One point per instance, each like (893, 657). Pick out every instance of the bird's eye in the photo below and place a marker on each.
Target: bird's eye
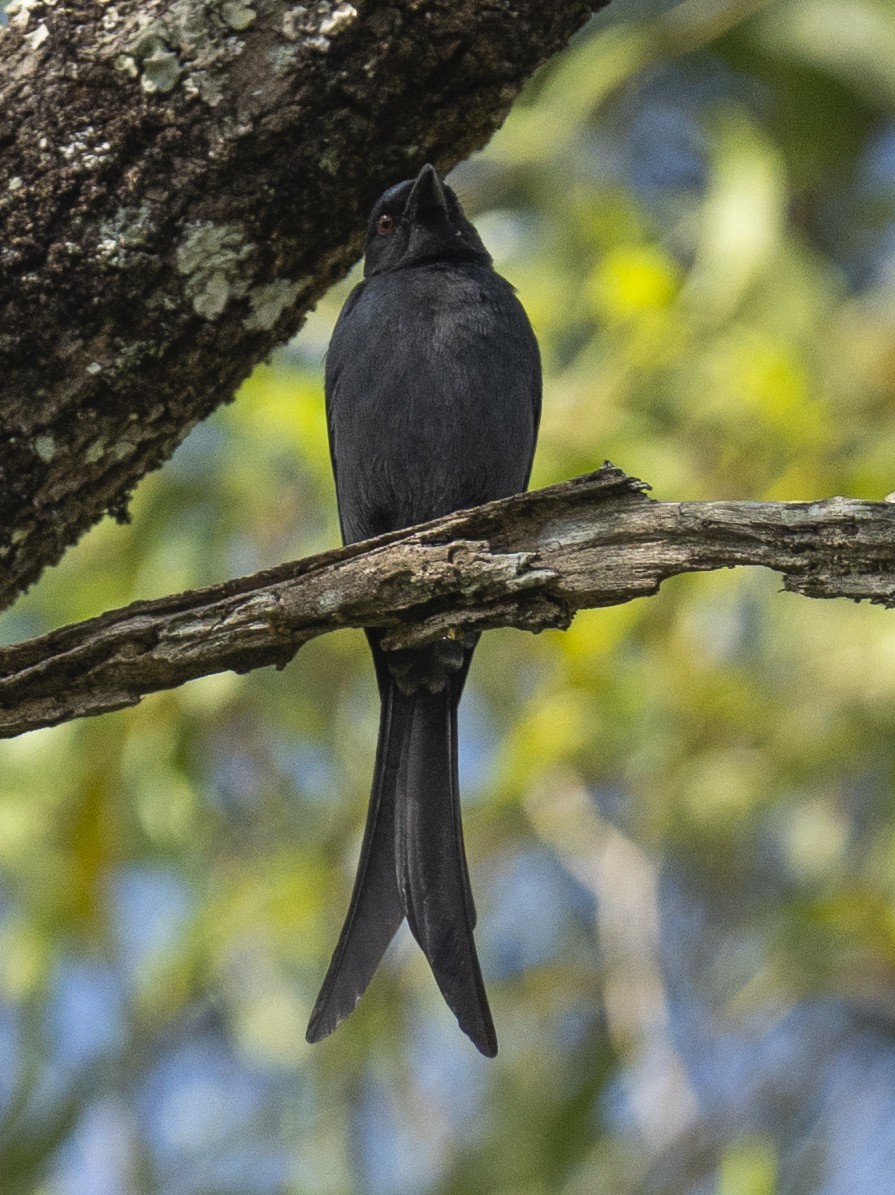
(384, 225)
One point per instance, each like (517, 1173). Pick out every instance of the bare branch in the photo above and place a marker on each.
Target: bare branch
(529, 562)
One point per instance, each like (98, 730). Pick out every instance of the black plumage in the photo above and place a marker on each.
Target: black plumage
(433, 391)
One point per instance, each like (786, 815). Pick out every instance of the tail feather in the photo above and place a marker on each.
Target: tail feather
(376, 910)
(412, 864)
(467, 883)
(432, 873)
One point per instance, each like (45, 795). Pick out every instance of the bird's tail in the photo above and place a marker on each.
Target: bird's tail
(375, 911)
(412, 864)
(431, 863)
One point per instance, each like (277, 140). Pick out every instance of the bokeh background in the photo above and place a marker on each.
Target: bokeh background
(679, 814)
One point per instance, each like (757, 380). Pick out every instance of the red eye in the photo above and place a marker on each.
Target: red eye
(384, 225)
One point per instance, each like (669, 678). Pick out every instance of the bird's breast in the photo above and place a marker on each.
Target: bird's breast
(431, 398)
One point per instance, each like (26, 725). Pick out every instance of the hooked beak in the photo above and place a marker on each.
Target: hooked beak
(427, 195)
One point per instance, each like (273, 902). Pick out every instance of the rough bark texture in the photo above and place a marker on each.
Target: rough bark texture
(528, 562)
(179, 182)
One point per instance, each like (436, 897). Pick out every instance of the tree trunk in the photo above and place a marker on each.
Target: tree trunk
(179, 183)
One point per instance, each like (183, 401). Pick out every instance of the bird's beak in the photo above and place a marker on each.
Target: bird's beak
(427, 195)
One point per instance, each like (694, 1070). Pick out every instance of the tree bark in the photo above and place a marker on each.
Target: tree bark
(529, 562)
(180, 181)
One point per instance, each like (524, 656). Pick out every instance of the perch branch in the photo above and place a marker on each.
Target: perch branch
(531, 562)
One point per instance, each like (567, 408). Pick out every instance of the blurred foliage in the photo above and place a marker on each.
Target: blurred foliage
(679, 813)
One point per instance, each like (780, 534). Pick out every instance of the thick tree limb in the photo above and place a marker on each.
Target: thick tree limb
(180, 181)
(528, 562)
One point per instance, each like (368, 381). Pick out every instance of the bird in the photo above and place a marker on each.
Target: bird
(433, 401)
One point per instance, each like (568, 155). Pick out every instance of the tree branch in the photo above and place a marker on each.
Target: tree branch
(529, 562)
(180, 181)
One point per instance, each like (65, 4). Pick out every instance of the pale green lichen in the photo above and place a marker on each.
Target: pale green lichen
(45, 447)
(210, 258)
(38, 36)
(270, 301)
(188, 46)
(283, 59)
(330, 160)
(103, 448)
(213, 297)
(295, 23)
(87, 148)
(18, 12)
(337, 20)
(128, 228)
(317, 24)
(238, 14)
(153, 59)
(150, 55)
(127, 64)
(206, 85)
(152, 39)
(160, 72)
(122, 450)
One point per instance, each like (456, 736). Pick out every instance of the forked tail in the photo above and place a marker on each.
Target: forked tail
(412, 864)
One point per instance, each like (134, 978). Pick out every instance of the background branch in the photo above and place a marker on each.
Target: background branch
(531, 562)
(179, 183)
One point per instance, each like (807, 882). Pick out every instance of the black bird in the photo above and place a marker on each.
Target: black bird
(433, 398)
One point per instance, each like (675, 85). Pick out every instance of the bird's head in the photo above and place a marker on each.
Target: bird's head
(417, 221)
